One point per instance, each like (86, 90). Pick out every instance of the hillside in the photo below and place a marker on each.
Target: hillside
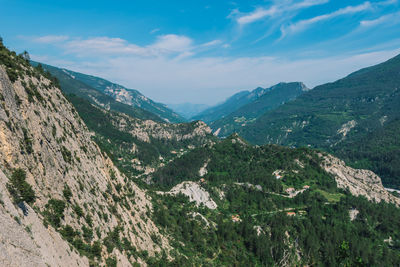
(69, 193)
(139, 146)
(69, 85)
(234, 204)
(272, 98)
(336, 115)
(244, 106)
(126, 96)
(62, 191)
(228, 106)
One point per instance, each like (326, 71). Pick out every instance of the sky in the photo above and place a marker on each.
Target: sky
(203, 51)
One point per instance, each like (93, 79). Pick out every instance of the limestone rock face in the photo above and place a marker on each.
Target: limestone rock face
(25, 241)
(359, 182)
(144, 130)
(41, 133)
(194, 192)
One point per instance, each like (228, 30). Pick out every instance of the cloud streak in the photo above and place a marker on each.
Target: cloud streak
(277, 8)
(304, 24)
(389, 18)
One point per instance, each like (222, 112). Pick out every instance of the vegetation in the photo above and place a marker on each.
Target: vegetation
(270, 98)
(320, 233)
(19, 189)
(117, 142)
(369, 98)
(54, 212)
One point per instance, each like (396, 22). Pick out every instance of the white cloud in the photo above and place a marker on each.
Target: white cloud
(303, 24)
(48, 39)
(212, 43)
(211, 79)
(170, 43)
(277, 8)
(164, 45)
(257, 15)
(386, 19)
(105, 46)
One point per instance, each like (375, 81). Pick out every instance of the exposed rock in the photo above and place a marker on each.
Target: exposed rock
(359, 182)
(353, 214)
(44, 135)
(24, 241)
(203, 169)
(195, 193)
(345, 129)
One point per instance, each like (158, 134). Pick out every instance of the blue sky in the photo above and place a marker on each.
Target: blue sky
(202, 51)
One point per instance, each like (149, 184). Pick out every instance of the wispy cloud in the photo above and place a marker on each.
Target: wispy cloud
(257, 14)
(277, 8)
(48, 39)
(385, 19)
(304, 24)
(212, 43)
(154, 30)
(178, 46)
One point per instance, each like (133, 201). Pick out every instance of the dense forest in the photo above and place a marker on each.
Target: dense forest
(312, 228)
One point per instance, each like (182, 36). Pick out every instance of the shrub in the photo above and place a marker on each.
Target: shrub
(67, 192)
(54, 212)
(19, 189)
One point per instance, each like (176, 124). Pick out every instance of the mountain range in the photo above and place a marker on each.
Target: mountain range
(113, 95)
(337, 115)
(87, 180)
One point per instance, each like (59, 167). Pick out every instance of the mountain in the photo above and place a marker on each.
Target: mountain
(336, 116)
(139, 146)
(266, 99)
(73, 193)
(63, 201)
(243, 98)
(70, 85)
(187, 110)
(127, 96)
(227, 107)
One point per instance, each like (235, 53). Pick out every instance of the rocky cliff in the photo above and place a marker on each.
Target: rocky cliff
(41, 133)
(357, 181)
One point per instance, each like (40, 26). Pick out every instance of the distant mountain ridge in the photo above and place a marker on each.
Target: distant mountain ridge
(263, 100)
(119, 93)
(188, 110)
(237, 101)
(70, 85)
(127, 96)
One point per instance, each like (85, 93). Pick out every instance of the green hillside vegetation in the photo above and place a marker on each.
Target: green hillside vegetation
(378, 151)
(366, 100)
(320, 233)
(272, 98)
(117, 143)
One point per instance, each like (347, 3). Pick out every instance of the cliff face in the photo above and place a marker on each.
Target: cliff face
(25, 241)
(41, 133)
(358, 182)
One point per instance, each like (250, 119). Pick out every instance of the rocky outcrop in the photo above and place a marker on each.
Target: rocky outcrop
(194, 192)
(41, 133)
(198, 131)
(358, 182)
